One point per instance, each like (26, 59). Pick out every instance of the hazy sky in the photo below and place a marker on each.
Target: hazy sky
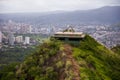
(13, 6)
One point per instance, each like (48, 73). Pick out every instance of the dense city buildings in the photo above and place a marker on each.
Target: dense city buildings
(14, 40)
(0, 37)
(104, 33)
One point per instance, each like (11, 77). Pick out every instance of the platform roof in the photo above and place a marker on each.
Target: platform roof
(69, 34)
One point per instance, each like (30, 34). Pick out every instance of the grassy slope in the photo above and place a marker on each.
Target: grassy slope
(96, 61)
(116, 49)
(55, 61)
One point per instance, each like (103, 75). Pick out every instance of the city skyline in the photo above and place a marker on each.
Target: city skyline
(16, 6)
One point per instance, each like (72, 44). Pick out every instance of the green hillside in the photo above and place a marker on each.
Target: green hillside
(13, 55)
(116, 49)
(55, 60)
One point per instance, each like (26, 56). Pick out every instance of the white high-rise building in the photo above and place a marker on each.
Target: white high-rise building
(0, 37)
(27, 40)
(11, 38)
(19, 39)
(29, 29)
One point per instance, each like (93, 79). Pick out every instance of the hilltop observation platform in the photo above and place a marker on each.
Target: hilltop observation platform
(69, 34)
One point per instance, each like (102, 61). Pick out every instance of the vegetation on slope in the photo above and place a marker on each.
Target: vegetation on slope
(55, 60)
(13, 55)
(96, 61)
(116, 49)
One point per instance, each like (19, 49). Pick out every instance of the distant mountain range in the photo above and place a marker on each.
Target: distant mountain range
(107, 14)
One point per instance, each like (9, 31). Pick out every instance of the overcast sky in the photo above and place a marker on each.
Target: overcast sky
(13, 6)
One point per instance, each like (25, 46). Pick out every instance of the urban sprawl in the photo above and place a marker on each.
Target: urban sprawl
(13, 33)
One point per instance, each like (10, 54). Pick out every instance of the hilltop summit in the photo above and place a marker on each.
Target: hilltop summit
(57, 60)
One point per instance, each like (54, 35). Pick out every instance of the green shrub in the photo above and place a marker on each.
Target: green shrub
(59, 64)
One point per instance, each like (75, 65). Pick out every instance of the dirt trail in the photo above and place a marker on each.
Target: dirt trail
(75, 66)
